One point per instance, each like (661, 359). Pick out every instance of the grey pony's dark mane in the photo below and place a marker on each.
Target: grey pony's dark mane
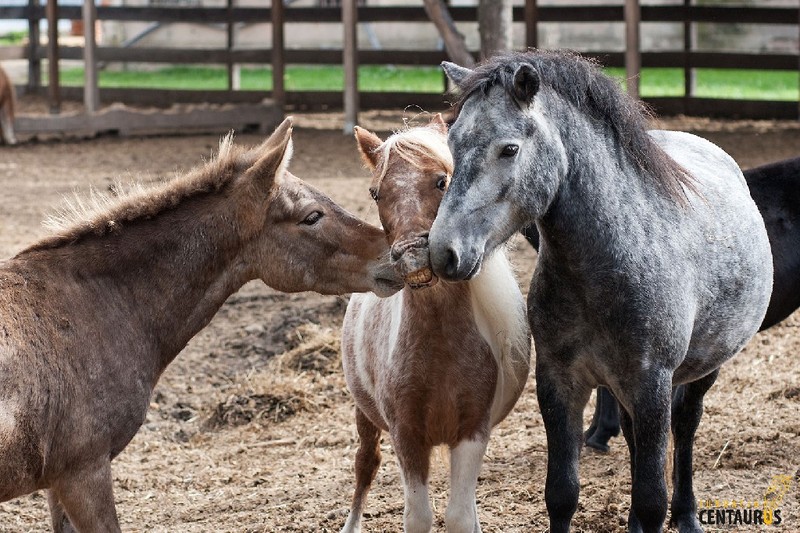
(581, 82)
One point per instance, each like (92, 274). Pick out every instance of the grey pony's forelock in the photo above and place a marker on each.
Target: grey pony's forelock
(582, 83)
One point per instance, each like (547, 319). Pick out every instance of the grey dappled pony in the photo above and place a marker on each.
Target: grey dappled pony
(654, 264)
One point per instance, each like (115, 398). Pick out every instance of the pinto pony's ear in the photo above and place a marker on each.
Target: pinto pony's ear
(526, 83)
(368, 144)
(273, 156)
(456, 73)
(438, 123)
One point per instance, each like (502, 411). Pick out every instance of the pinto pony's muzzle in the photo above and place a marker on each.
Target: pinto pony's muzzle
(411, 260)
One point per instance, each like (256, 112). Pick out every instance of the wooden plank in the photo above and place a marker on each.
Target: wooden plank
(129, 121)
(719, 108)
(34, 39)
(8, 53)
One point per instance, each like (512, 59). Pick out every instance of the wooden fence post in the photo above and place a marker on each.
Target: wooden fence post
(688, 72)
(91, 94)
(53, 84)
(531, 33)
(34, 63)
(633, 57)
(278, 65)
(350, 63)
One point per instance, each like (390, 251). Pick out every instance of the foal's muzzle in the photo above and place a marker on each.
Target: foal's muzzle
(411, 260)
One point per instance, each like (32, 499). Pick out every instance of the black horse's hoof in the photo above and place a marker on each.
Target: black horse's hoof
(597, 443)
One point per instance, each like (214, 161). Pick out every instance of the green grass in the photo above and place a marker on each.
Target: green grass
(710, 83)
(13, 38)
(297, 78)
(733, 84)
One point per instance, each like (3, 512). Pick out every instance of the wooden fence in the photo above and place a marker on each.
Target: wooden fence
(276, 55)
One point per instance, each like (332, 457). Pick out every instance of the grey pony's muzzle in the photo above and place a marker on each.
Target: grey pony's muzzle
(411, 260)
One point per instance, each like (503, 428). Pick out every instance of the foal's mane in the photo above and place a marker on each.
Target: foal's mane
(103, 213)
(423, 146)
(581, 83)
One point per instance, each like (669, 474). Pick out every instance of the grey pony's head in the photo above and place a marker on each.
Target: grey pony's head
(508, 160)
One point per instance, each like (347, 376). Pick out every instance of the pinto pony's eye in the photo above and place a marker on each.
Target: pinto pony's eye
(374, 193)
(312, 218)
(509, 150)
(441, 183)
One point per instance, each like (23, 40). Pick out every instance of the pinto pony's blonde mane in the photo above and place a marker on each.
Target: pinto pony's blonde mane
(422, 145)
(101, 213)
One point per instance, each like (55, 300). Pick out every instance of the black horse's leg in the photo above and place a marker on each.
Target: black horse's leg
(605, 421)
(627, 430)
(651, 424)
(687, 408)
(562, 415)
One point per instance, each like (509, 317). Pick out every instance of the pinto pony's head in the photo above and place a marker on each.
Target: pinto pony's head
(411, 170)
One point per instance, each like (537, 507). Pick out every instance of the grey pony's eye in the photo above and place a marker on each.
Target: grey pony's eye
(509, 150)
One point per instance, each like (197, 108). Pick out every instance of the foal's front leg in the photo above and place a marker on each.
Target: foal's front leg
(562, 408)
(368, 459)
(465, 466)
(414, 457)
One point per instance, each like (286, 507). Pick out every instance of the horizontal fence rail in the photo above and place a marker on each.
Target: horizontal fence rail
(531, 14)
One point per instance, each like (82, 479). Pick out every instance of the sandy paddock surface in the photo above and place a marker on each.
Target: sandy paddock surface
(251, 428)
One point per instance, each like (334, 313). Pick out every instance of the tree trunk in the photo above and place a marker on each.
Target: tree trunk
(495, 18)
(454, 42)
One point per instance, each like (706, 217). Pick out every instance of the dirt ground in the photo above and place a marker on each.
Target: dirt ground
(251, 428)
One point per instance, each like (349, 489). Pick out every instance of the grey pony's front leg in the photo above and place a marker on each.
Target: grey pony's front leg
(605, 421)
(646, 430)
(563, 425)
(687, 409)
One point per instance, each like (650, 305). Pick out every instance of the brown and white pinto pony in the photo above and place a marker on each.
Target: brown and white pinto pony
(6, 109)
(91, 316)
(437, 363)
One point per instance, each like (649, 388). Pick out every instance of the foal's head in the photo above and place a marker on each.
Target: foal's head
(299, 239)
(411, 171)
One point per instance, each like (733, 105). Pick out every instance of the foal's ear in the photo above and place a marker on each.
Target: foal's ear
(456, 73)
(526, 83)
(273, 155)
(368, 144)
(438, 123)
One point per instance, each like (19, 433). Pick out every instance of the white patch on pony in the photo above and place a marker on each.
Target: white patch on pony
(465, 466)
(417, 516)
(8, 420)
(499, 311)
(412, 143)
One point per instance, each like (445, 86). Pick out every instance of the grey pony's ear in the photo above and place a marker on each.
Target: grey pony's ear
(456, 73)
(526, 83)
(272, 156)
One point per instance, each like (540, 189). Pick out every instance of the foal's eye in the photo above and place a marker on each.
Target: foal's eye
(441, 183)
(374, 193)
(312, 218)
(509, 150)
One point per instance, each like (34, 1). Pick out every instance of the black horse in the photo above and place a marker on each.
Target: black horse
(775, 187)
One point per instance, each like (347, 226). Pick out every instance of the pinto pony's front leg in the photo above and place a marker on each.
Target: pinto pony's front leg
(368, 459)
(465, 466)
(414, 457)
